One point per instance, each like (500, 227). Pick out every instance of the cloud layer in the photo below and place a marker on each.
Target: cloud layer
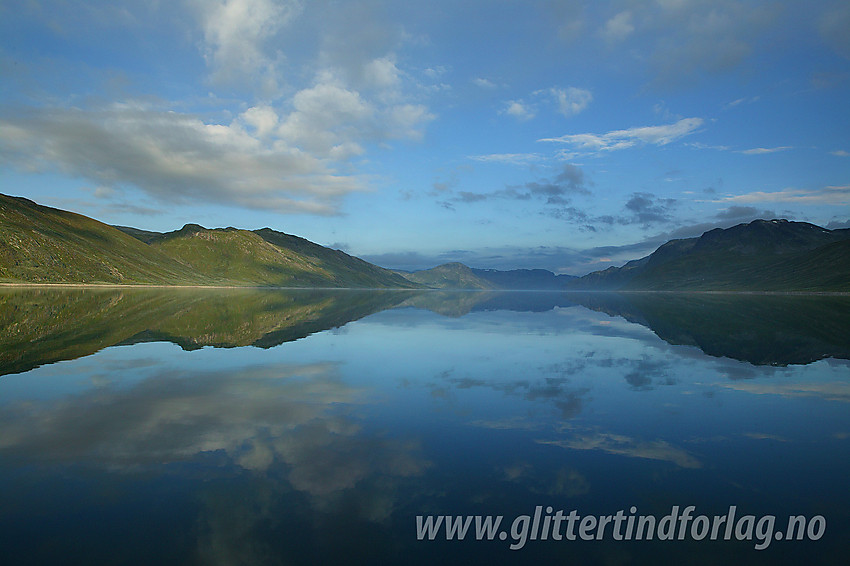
(287, 146)
(623, 139)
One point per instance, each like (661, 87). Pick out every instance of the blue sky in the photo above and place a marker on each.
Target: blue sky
(564, 135)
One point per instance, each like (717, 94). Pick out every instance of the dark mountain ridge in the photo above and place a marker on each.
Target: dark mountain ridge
(764, 255)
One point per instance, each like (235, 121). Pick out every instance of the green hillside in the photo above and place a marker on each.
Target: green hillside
(39, 244)
(267, 257)
(229, 255)
(345, 270)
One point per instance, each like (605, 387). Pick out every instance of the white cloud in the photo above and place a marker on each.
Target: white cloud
(622, 139)
(511, 158)
(840, 153)
(834, 195)
(519, 110)
(435, 72)
(406, 120)
(618, 28)
(235, 34)
(262, 118)
(174, 156)
(571, 100)
(740, 101)
(483, 83)
(325, 116)
(700, 145)
(291, 156)
(763, 150)
(382, 74)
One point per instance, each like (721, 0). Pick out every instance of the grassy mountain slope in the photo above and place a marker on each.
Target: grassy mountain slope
(775, 255)
(346, 270)
(266, 257)
(41, 244)
(230, 255)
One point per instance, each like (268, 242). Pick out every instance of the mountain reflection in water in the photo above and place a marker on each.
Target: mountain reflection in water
(303, 427)
(39, 326)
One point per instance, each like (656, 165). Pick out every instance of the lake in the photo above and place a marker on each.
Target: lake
(144, 426)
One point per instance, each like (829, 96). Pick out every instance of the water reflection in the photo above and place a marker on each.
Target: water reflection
(284, 443)
(39, 326)
(760, 329)
(253, 417)
(253, 440)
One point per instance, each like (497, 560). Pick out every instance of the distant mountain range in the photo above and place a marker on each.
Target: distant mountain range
(764, 255)
(459, 276)
(39, 244)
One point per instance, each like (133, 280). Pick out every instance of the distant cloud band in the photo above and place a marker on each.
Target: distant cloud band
(622, 139)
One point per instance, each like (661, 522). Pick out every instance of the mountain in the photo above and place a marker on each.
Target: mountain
(39, 244)
(448, 276)
(459, 276)
(266, 257)
(347, 270)
(764, 255)
(524, 279)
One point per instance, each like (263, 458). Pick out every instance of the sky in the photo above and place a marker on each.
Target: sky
(569, 136)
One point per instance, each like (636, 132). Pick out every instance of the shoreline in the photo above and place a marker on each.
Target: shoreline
(10, 285)
(164, 286)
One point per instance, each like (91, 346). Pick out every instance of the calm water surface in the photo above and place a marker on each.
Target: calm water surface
(271, 427)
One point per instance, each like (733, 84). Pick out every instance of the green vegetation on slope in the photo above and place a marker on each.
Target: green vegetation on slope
(230, 255)
(39, 244)
(268, 257)
(346, 270)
